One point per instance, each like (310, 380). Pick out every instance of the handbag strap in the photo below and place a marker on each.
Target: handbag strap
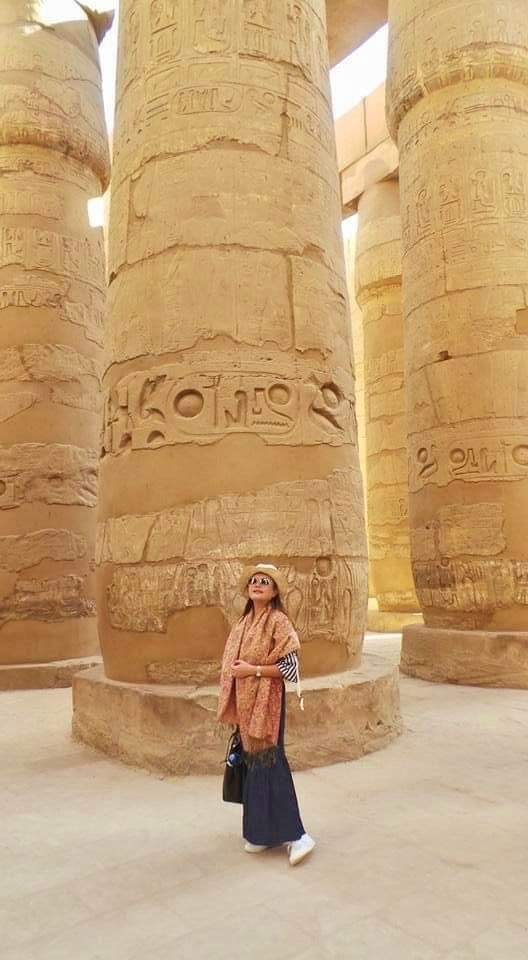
(233, 742)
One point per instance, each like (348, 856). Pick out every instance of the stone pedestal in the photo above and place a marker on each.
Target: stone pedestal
(388, 621)
(473, 657)
(378, 289)
(43, 676)
(171, 729)
(53, 160)
(457, 94)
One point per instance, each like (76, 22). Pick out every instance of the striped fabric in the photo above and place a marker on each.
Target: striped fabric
(289, 667)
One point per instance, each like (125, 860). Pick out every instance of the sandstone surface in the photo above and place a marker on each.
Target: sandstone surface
(53, 160)
(457, 103)
(229, 425)
(378, 286)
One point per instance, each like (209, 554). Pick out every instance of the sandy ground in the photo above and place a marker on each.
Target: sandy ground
(421, 849)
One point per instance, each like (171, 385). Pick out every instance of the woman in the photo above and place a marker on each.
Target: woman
(260, 653)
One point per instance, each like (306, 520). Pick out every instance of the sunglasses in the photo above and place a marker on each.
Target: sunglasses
(260, 581)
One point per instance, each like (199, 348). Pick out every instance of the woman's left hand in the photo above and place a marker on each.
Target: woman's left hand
(242, 669)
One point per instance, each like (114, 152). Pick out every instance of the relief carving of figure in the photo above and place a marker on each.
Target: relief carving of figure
(322, 596)
(299, 31)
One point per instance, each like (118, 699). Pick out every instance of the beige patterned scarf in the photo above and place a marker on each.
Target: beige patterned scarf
(251, 703)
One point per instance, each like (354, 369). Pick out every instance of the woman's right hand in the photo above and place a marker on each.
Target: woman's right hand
(241, 669)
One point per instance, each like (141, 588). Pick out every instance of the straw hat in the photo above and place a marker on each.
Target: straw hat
(267, 570)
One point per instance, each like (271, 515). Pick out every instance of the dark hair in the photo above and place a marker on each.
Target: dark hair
(275, 602)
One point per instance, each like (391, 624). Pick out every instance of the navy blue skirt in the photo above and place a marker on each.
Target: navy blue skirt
(270, 809)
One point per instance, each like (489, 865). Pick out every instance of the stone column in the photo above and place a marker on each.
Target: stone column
(356, 327)
(229, 425)
(53, 160)
(458, 104)
(378, 290)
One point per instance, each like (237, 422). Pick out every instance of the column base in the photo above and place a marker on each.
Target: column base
(42, 676)
(173, 730)
(474, 657)
(385, 621)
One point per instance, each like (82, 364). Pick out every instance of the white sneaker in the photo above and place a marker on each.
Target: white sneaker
(300, 849)
(253, 847)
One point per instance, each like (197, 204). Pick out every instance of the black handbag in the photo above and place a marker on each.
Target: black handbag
(234, 771)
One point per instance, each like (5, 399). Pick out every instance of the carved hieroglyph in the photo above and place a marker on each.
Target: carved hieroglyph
(378, 286)
(229, 426)
(53, 160)
(458, 103)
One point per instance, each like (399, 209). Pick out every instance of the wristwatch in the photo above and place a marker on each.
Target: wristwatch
(258, 672)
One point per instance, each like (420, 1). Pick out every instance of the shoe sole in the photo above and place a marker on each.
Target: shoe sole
(260, 850)
(301, 856)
